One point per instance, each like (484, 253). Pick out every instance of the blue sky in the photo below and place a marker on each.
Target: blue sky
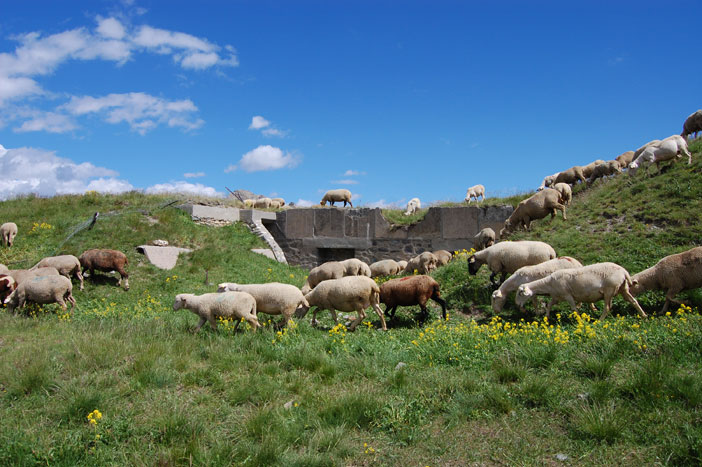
(389, 99)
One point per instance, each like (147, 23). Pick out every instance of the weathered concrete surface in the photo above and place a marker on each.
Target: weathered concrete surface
(200, 212)
(163, 257)
(265, 252)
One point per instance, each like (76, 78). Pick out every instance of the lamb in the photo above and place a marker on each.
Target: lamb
(423, 263)
(8, 231)
(386, 267)
(277, 203)
(208, 306)
(43, 290)
(474, 192)
(506, 257)
(588, 284)
(548, 181)
(21, 275)
(603, 170)
(692, 125)
(566, 192)
(106, 261)
(571, 176)
(443, 257)
(537, 206)
(272, 298)
(670, 148)
(323, 272)
(262, 203)
(355, 267)
(527, 274)
(413, 206)
(352, 293)
(7, 286)
(403, 264)
(587, 169)
(674, 273)
(484, 239)
(625, 158)
(332, 196)
(66, 265)
(410, 291)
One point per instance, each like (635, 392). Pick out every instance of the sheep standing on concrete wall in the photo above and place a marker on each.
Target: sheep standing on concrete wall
(262, 203)
(272, 298)
(588, 284)
(410, 291)
(209, 306)
(506, 257)
(474, 192)
(8, 231)
(413, 206)
(673, 274)
(42, 290)
(333, 196)
(66, 265)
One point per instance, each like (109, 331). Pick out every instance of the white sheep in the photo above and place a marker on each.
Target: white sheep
(506, 257)
(249, 203)
(226, 304)
(262, 203)
(603, 170)
(588, 284)
(323, 272)
(355, 267)
(413, 206)
(386, 267)
(571, 176)
(352, 293)
(21, 275)
(333, 196)
(587, 169)
(43, 290)
(277, 203)
(443, 257)
(272, 298)
(423, 263)
(548, 181)
(403, 265)
(484, 239)
(674, 273)
(66, 265)
(8, 231)
(537, 206)
(474, 192)
(670, 148)
(566, 192)
(527, 274)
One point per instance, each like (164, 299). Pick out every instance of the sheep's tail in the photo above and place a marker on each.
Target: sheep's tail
(629, 280)
(375, 294)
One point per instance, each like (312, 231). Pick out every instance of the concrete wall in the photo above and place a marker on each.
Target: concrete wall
(310, 237)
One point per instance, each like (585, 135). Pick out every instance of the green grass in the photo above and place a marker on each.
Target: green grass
(509, 389)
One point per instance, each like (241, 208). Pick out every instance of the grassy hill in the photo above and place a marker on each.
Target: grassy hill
(509, 390)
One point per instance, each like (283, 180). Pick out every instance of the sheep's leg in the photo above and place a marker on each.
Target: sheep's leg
(80, 278)
(563, 209)
(314, 317)
(630, 298)
(379, 311)
(199, 325)
(333, 313)
(72, 301)
(61, 303)
(361, 316)
(390, 311)
(213, 322)
(424, 313)
(607, 305)
(535, 304)
(492, 278)
(441, 302)
(550, 304)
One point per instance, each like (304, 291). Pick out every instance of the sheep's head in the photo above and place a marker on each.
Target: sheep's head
(473, 265)
(181, 301)
(497, 300)
(227, 287)
(524, 293)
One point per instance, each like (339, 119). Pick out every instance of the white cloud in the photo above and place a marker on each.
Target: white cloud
(184, 187)
(345, 182)
(273, 132)
(353, 173)
(141, 111)
(30, 170)
(110, 28)
(194, 174)
(51, 122)
(381, 203)
(265, 158)
(258, 122)
(303, 203)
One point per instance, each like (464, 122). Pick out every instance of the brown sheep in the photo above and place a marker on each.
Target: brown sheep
(106, 261)
(692, 125)
(625, 158)
(571, 176)
(443, 256)
(409, 291)
(587, 169)
(537, 206)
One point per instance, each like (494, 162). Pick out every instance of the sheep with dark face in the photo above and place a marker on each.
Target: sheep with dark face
(410, 291)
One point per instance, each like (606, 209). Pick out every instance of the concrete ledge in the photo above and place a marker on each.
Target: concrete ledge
(250, 215)
(332, 242)
(198, 211)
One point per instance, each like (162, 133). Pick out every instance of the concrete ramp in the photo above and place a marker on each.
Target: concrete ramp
(163, 257)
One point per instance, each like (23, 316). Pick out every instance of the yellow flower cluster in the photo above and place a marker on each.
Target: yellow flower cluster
(463, 254)
(37, 227)
(285, 333)
(147, 306)
(94, 416)
(172, 278)
(338, 335)
(368, 449)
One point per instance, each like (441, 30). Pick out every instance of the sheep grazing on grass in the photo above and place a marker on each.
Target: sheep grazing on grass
(474, 192)
(272, 298)
(323, 272)
(528, 274)
(413, 206)
(209, 306)
(410, 291)
(333, 196)
(7, 286)
(587, 169)
(262, 203)
(106, 261)
(277, 203)
(484, 239)
(66, 265)
(443, 257)
(674, 273)
(386, 267)
(588, 284)
(692, 125)
(625, 159)
(355, 267)
(353, 293)
(42, 290)
(669, 149)
(403, 265)
(249, 203)
(548, 181)
(506, 257)
(21, 275)
(571, 176)
(8, 231)
(566, 193)
(423, 263)
(603, 170)
(537, 206)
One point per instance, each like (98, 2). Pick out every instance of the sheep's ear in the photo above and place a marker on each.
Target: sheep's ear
(497, 294)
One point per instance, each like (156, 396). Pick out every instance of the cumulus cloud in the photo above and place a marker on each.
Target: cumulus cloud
(381, 203)
(345, 182)
(265, 158)
(194, 174)
(51, 122)
(142, 112)
(258, 122)
(184, 187)
(29, 170)
(303, 203)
